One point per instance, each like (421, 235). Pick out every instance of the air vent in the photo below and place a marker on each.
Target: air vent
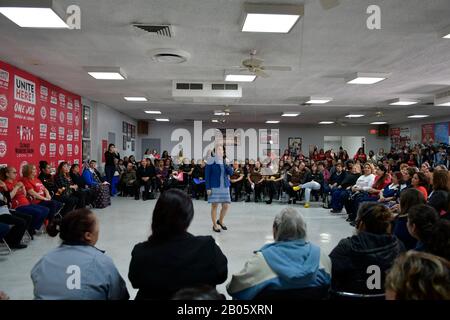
(206, 91)
(164, 30)
(172, 56)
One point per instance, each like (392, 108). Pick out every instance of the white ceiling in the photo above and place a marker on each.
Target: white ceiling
(323, 48)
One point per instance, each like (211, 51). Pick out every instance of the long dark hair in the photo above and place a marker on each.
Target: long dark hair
(172, 215)
(382, 179)
(59, 171)
(424, 217)
(409, 198)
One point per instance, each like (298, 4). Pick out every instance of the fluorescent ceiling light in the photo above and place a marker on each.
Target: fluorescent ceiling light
(162, 120)
(354, 116)
(326, 122)
(240, 77)
(442, 99)
(272, 121)
(271, 18)
(367, 78)
(403, 102)
(379, 122)
(34, 14)
(446, 36)
(215, 120)
(152, 112)
(418, 116)
(446, 104)
(135, 99)
(221, 113)
(106, 73)
(290, 114)
(317, 100)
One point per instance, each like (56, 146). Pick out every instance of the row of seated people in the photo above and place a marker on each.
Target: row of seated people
(285, 268)
(28, 202)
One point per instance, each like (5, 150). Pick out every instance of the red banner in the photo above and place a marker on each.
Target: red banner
(428, 133)
(38, 121)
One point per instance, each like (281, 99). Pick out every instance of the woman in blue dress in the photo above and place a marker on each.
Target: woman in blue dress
(217, 182)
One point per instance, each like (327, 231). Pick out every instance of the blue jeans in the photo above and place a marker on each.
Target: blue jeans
(53, 207)
(338, 196)
(37, 212)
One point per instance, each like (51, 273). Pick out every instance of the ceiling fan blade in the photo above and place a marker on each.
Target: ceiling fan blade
(277, 68)
(329, 4)
(260, 73)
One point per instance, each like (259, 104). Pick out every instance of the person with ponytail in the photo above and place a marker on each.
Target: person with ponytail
(54, 275)
(172, 258)
(421, 219)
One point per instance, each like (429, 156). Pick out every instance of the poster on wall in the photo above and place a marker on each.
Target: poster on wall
(294, 146)
(400, 137)
(38, 121)
(86, 122)
(441, 133)
(428, 133)
(104, 149)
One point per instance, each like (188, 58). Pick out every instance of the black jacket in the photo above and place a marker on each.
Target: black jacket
(352, 256)
(148, 171)
(109, 158)
(349, 180)
(337, 178)
(48, 182)
(78, 180)
(160, 270)
(438, 200)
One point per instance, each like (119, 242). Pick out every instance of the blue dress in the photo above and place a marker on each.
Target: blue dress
(222, 193)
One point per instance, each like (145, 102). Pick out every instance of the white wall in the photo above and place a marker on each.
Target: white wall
(311, 135)
(103, 120)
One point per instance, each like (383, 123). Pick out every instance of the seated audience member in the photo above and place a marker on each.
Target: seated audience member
(408, 199)
(312, 180)
(236, 181)
(94, 181)
(99, 278)
(418, 276)
(420, 182)
(407, 174)
(15, 224)
(274, 182)
(198, 180)
(438, 243)
(372, 245)
(162, 175)
(364, 194)
(127, 180)
(145, 176)
(291, 262)
(341, 193)
(421, 220)
(389, 195)
(46, 177)
(67, 190)
(17, 193)
(438, 198)
(255, 183)
(132, 160)
(79, 180)
(335, 179)
(38, 192)
(199, 261)
(199, 293)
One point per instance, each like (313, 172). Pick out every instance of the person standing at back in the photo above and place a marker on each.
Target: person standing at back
(110, 165)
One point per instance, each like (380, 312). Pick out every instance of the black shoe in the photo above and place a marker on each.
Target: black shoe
(248, 199)
(136, 198)
(348, 219)
(335, 211)
(221, 225)
(294, 201)
(353, 223)
(256, 200)
(216, 230)
(269, 201)
(18, 246)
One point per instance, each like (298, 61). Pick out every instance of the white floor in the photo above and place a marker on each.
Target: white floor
(127, 222)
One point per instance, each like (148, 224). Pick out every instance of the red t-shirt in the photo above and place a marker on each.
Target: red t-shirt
(36, 185)
(424, 191)
(20, 199)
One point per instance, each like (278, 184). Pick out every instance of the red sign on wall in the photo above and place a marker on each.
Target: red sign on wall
(428, 133)
(37, 120)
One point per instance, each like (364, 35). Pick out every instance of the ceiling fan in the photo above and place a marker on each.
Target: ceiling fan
(329, 4)
(255, 66)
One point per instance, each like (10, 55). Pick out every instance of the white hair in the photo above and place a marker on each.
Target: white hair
(289, 224)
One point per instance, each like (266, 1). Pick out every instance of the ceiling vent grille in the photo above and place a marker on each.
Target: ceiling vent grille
(206, 91)
(164, 30)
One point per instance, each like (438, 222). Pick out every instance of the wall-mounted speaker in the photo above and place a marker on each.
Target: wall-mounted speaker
(142, 127)
(383, 130)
